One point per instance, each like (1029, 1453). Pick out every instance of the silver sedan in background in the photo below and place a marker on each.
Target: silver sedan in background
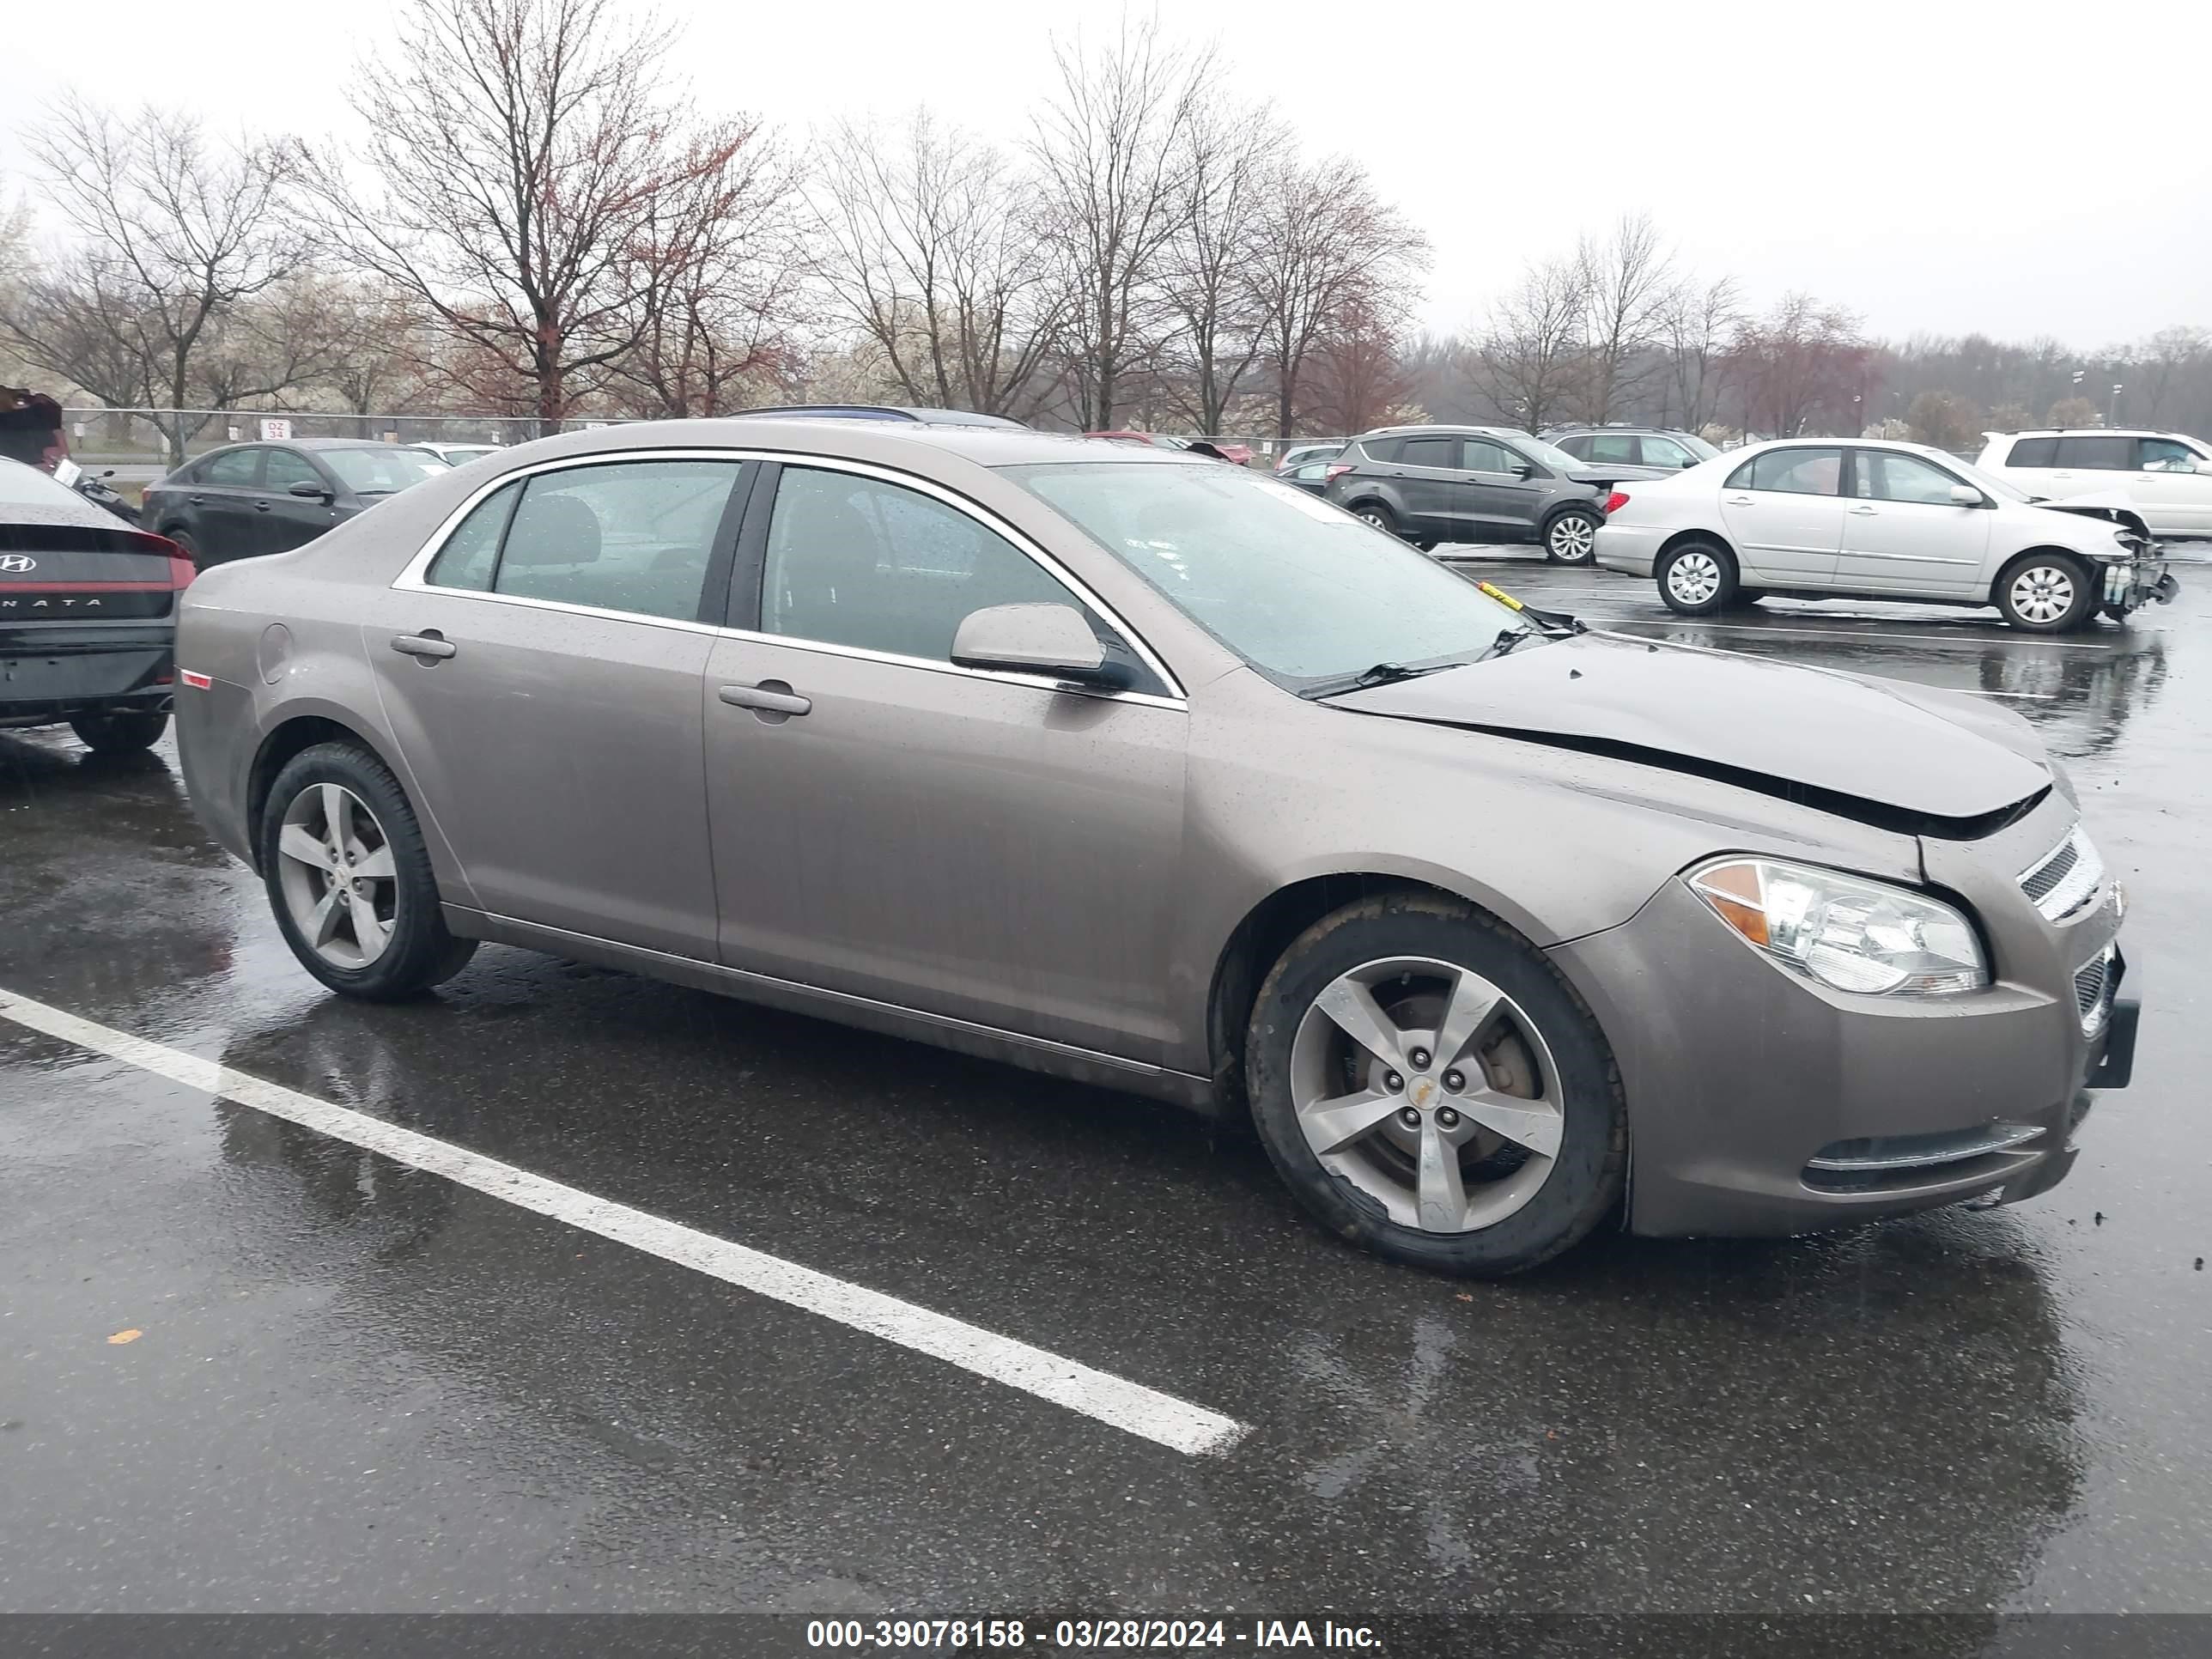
(1163, 775)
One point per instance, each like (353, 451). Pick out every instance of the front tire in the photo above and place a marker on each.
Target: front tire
(1697, 579)
(1572, 537)
(1429, 1087)
(2046, 593)
(349, 880)
(124, 732)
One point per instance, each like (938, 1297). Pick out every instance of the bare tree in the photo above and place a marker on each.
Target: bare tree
(1329, 247)
(929, 245)
(1529, 359)
(712, 276)
(1113, 151)
(1696, 325)
(1212, 258)
(519, 149)
(2162, 364)
(1802, 359)
(176, 231)
(1359, 378)
(1625, 281)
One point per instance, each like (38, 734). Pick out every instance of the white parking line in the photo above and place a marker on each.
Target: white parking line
(1115, 1400)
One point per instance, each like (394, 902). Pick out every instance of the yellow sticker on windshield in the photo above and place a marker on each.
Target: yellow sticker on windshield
(1500, 595)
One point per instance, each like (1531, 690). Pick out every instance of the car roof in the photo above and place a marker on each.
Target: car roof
(2088, 432)
(878, 412)
(890, 442)
(1443, 429)
(1630, 427)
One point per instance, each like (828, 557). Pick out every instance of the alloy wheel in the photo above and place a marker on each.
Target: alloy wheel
(1430, 1091)
(2042, 594)
(1572, 538)
(335, 870)
(1694, 578)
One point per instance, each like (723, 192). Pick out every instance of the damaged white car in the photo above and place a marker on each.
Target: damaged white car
(1841, 519)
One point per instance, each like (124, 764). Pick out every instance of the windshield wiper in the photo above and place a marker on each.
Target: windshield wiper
(1383, 673)
(1505, 641)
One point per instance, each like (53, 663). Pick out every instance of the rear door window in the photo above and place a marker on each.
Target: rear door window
(1611, 447)
(630, 536)
(2096, 454)
(2034, 452)
(235, 469)
(1429, 452)
(1796, 471)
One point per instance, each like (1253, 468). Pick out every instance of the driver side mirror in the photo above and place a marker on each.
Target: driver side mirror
(1967, 495)
(308, 488)
(1524, 470)
(1034, 639)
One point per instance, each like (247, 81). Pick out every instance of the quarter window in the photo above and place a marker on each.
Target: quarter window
(471, 554)
(853, 561)
(238, 468)
(2096, 454)
(635, 535)
(1795, 471)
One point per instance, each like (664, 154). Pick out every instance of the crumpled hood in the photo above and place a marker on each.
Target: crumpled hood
(1877, 749)
(2114, 505)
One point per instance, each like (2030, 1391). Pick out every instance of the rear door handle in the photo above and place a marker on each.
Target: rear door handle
(1863, 511)
(422, 645)
(1740, 500)
(769, 697)
(261, 507)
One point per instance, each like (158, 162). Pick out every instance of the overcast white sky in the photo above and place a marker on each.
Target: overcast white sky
(1938, 167)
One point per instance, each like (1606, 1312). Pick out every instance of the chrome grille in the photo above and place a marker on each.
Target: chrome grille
(2061, 883)
(2093, 990)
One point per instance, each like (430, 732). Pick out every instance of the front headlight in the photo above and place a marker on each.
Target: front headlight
(1845, 930)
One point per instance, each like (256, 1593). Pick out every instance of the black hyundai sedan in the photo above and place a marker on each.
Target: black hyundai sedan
(251, 499)
(87, 616)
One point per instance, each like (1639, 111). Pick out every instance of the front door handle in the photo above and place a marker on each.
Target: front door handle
(768, 697)
(428, 644)
(261, 507)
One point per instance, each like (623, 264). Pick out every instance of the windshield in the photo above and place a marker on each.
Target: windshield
(380, 471)
(1697, 446)
(1301, 590)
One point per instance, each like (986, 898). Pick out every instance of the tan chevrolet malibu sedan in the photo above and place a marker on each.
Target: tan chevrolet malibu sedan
(1134, 768)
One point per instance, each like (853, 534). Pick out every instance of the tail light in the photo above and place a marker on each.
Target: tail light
(1336, 470)
(1615, 502)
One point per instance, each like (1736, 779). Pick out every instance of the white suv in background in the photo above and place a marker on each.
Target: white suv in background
(2167, 475)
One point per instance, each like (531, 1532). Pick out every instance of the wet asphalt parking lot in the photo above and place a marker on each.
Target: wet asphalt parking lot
(360, 1384)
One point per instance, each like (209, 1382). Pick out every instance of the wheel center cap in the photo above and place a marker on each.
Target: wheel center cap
(1422, 1091)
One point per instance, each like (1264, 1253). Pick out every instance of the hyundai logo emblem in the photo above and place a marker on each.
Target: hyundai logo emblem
(15, 564)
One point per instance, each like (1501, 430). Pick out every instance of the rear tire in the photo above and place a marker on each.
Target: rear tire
(185, 544)
(125, 733)
(2046, 593)
(1697, 579)
(1380, 516)
(383, 938)
(1571, 537)
(1452, 1190)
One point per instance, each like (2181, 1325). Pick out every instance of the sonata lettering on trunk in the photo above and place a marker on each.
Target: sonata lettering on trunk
(48, 601)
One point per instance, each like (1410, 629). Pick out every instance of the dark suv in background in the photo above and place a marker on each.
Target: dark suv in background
(1432, 484)
(251, 499)
(1661, 447)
